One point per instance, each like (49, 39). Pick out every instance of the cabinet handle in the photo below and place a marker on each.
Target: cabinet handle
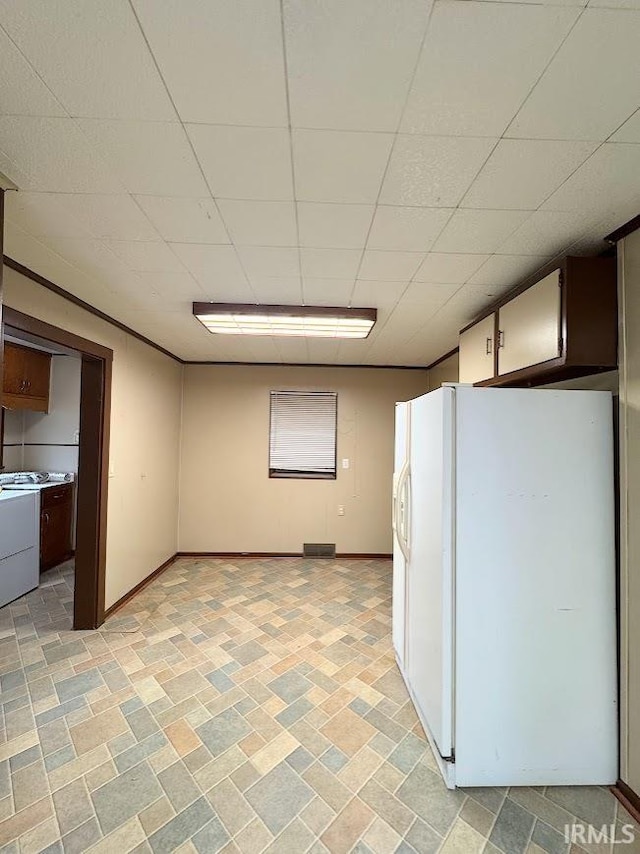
(500, 339)
(45, 516)
(489, 346)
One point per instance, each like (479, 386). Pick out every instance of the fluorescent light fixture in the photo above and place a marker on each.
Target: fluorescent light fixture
(306, 321)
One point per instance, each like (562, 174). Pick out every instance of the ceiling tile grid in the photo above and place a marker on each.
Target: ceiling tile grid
(259, 223)
(591, 86)
(478, 64)
(149, 158)
(183, 220)
(244, 162)
(91, 75)
(334, 226)
(221, 60)
(433, 171)
(339, 166)
(350, 64)
(420, 157)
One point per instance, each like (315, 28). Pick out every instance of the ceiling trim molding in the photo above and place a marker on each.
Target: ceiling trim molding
(56, 289)
(311, 365)
(61, 292)
(443, 358)
(624, 230)
(20, 322)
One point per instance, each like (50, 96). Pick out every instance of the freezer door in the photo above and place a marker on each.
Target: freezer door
(398, 615)
(430, 576)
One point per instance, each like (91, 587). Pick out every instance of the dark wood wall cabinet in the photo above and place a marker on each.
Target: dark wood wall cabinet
(56, 525)
(26, 379)
(564, 324)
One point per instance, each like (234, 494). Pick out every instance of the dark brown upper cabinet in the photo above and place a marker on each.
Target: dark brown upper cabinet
(26, 378)
(564, 324)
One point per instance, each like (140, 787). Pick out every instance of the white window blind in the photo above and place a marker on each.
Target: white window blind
(302, 440)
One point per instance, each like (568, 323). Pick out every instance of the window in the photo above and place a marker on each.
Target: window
(302, 437)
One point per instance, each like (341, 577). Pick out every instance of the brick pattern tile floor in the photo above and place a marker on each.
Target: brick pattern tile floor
(240, 707)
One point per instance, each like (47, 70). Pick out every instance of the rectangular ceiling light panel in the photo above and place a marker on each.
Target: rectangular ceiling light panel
(291, 320)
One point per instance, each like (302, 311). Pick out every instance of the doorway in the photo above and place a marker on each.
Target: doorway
(93, 456)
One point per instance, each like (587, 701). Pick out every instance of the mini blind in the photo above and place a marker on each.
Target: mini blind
(302, 438)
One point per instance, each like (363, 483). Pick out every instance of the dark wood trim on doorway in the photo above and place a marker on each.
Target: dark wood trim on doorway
(93, 469)
(628, 798)
(1, 328)
(39, 329)
(93, 461)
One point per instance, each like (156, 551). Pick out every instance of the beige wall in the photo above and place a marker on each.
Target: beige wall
(145, 437)
(629, 300)
(445, 372)
(227, 500)
(13, 450)
(606, 381)
(51, 438)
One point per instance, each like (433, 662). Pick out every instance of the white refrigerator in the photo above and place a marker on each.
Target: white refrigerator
(504, 582)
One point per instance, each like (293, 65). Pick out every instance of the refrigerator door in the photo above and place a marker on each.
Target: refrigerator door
(536, 693)
(430, 580)
(400, 472)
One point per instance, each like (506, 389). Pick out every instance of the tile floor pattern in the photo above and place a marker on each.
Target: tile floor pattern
(240, 707)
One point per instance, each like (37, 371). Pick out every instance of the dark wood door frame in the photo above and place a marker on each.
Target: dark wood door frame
(93, 460)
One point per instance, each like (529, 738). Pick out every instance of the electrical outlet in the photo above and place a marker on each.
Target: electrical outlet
(340, 510)
(345, 463)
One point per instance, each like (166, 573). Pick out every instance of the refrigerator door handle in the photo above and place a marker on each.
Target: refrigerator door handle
(394, 512)
(407, 513)
(402, 512)
(396, 506)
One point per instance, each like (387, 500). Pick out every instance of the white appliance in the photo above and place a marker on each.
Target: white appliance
(19, 544)
(504, 603)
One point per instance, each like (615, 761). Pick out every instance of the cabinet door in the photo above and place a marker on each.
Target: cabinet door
(37, 371)
(13, 382)
(477, 351)
(55, 534)
(530, 330)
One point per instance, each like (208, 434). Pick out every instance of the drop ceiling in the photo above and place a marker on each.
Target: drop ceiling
(420, 158)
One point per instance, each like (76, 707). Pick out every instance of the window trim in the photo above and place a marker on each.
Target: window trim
(281, 474)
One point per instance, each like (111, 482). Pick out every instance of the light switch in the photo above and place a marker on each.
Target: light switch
(345, 463)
